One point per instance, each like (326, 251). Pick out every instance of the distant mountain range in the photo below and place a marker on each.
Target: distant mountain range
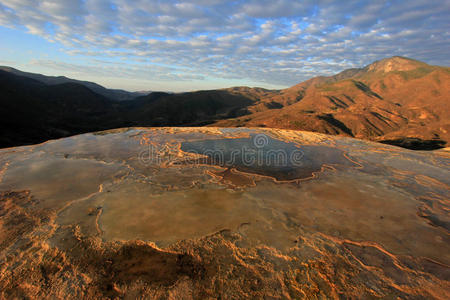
(395, 100)
(32, 111)
(114, 94)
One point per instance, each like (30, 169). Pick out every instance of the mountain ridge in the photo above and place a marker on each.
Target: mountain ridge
(114, 94)
(392, 100)
(389, 99)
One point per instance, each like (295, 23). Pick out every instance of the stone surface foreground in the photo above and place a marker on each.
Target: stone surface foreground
(197, 213)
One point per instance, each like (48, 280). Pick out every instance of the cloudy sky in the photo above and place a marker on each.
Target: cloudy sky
(202, 44)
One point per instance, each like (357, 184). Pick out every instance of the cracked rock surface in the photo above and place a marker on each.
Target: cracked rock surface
(195, 213)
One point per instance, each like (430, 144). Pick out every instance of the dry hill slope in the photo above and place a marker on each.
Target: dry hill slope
(394, 98)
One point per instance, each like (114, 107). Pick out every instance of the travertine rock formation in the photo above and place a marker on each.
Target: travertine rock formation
(179, 213)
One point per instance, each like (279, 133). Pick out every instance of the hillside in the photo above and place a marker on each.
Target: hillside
(114, 94)
(190, 109)
(390, 99)
(33, 112)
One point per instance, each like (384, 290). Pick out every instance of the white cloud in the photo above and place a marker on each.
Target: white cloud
(273, 41)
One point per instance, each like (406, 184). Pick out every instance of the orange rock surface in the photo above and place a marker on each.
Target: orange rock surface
(182, 213)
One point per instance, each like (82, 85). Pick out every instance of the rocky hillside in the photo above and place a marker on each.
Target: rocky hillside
(394, 98)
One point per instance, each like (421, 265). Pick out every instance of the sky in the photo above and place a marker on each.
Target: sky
(205, 44)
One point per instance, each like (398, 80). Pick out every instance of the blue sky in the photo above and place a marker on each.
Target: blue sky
(203, 44)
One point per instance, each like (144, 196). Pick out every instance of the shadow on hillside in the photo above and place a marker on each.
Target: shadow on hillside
(32, 113)
(416, 143)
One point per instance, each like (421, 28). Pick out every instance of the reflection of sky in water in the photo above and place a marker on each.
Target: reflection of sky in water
(264, 155)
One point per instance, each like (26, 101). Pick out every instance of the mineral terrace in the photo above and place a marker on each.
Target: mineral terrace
(180, 213)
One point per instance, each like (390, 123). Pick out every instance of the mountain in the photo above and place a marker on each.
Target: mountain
(189, 109)
(33, 112)
(396, 100)
(114, 94)
(388, 100)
